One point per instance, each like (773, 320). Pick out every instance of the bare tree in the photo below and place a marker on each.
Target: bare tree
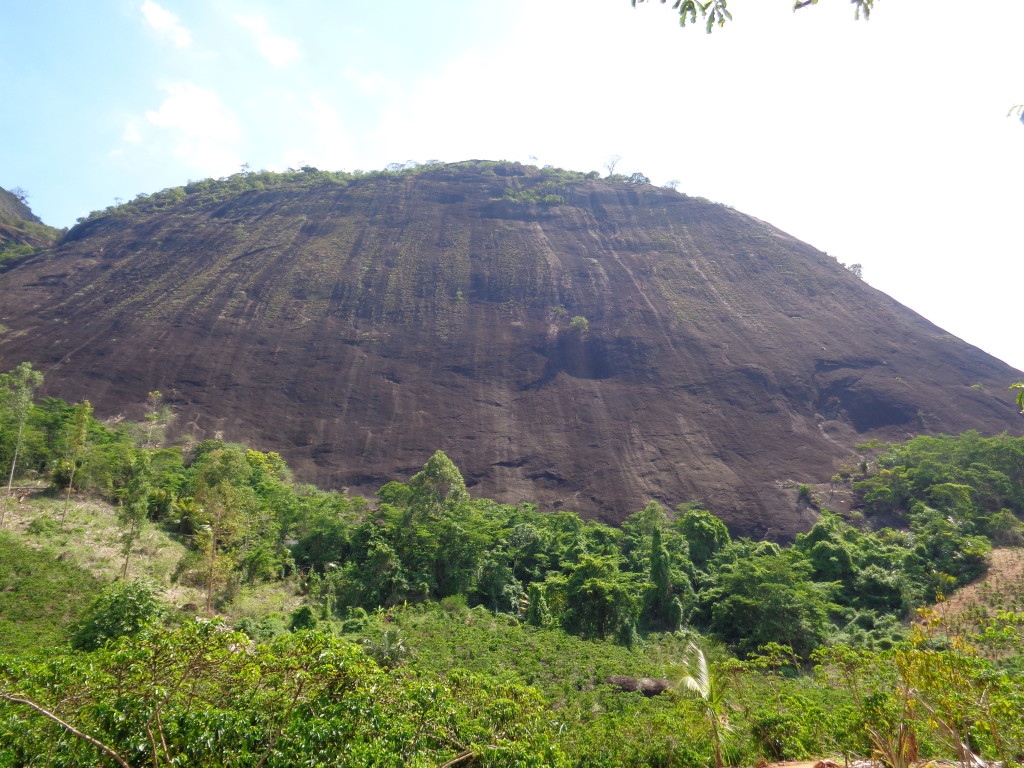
(611, 162)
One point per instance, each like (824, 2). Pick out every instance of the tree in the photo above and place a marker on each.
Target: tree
(122, 609)
(716, 12)
(768, 596)
(16, 389)
(77, 434)
(663, 603)
(1020, 385)
(579, 324)
(538, 614)
(158, 417)
(601, 600)
(438, 485)
(709, 686)
(135, 505)
(222, 500)
(705, 533)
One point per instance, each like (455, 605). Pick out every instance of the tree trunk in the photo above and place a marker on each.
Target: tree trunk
(10, 477)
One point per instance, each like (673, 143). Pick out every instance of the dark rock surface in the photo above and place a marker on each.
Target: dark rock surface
(648, 686)
(359, 328)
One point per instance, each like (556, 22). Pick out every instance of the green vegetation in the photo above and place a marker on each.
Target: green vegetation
(122, 609)
(32, 231)
(40, 596)
(551, 190)
(579, 324)
(429, 627)
(543, 186)
(20, 237)
(10, 251)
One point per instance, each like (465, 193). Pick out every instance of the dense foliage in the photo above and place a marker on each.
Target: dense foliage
(201, 694)
(246, 522)
(537, 609)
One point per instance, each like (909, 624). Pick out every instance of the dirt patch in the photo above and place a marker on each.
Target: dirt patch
(1002, 588)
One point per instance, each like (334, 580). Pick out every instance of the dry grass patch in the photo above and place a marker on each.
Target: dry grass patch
(1000, 589)
(90, 537)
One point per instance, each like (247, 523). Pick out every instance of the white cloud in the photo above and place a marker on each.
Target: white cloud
(321, 137)
(366, 82)
(204, 130)
(132, 134)
(167, 23)
(276, 49)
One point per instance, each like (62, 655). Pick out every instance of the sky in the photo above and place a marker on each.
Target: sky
(884, 142)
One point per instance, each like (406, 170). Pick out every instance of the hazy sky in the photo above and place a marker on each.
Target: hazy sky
(884, 142)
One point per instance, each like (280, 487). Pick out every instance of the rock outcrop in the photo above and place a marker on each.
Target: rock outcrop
(570, 341)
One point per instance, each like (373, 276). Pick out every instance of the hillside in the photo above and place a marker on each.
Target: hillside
(582, 343)
(437, 628)
(20, 227)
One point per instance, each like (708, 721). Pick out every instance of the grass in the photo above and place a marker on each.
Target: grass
(1000, 589)
(41, 595)
(84, 554)
(255, 601)
(562, 666)
(91, 538)
(602, 726)
(90, 542)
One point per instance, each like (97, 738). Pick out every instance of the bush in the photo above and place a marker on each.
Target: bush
(579, 324)
(778, 735)
(264, 629)
(123, 608)
(302, 618)
(43, 526)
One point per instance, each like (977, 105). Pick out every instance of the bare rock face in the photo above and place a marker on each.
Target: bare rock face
(569, 341)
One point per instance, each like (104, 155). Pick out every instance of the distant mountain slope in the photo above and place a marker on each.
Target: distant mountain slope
(11, 205)
(19, 226)
(360, 323)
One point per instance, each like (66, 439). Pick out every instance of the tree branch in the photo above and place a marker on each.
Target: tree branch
(457, 759)
(69, 728)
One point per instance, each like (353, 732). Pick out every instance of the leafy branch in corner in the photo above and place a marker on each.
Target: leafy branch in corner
(716, 12)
